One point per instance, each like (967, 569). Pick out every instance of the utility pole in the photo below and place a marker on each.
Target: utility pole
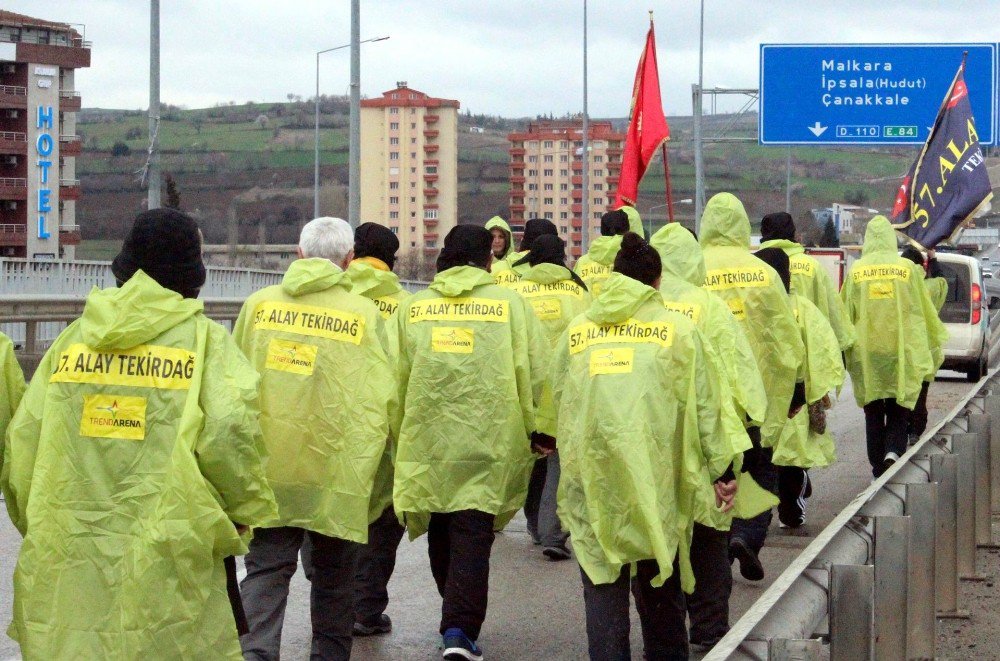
(699, 161)
(584, 158)
(153, 190)
(788, 181)
(354, 167)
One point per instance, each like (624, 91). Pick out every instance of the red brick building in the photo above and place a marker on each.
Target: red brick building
(38, 141)
(546, 175)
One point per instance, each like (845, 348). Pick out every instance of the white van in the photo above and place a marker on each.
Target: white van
(965, 315)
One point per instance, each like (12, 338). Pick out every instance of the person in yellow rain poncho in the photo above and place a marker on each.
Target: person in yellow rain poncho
(804, 441)
(757, 299)
(937, 288)
(134, 452)
(809, 278)
(472, 363)
(326, 389)
(595, 267)
(371, 276)
(502, 248)
(556, 295)
(639, 422)
(683, 274)
(899, 336)
(509, 270)
(11, 385)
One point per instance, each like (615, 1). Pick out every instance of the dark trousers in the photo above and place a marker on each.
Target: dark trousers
(661, 615)
(918, 416)
(376, 562)
(765, 473)
(459, 545)
(270, 564)
(886, 423)
(533, 501)
(708, 605)
(793, 489)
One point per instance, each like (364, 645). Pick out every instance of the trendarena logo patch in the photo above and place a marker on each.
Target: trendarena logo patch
(113, 416)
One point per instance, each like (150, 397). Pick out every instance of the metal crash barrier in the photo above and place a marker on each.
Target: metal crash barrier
(874, 581)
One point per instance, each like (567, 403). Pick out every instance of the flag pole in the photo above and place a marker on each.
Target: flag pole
(666, 161)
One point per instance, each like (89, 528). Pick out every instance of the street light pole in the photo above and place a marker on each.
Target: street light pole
(354, 143)
(316, 164)
(153, 172)
(699, 162)
(585, 198)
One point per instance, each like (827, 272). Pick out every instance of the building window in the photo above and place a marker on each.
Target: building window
(563, 144)
(413, 244)
(413, 170)
(393, 185)
(548, 186)
(431, 169)
(413, 111)
(413, 154)
(393, 111)
(393, 215)
(564, 172)
(413, 200)
(394, 200)
(563, 200)
(548, 215)
(598, 186)
(394, 156)
(393, 141)
(547, 144)
(394, 172)
(413, 141)
(394, 230)
(563, 186)
(563, 216)
(563, 158)
(597, 214)
(393, 126)
(598, 158)
(547, 172)
(413, 228)
(548, 158)
(413, 214)
(430, 244)
(413, 125)
(532, 173)
(598, 202)
(576, 244)
(547, 200)
(532, 186)
(430, 214)
(532, 159)
(413, 184)
(598, 173)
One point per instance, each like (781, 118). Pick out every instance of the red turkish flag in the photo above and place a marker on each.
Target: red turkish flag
(647, 127)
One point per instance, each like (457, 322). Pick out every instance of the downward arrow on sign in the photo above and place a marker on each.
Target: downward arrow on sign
(817, 129)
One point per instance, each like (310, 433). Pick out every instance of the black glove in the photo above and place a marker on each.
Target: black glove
(543, 441)
(752, 456)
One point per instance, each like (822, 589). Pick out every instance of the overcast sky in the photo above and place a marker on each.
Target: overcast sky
(505, 57)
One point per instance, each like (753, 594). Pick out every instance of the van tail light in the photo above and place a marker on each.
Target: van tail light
(977, 304)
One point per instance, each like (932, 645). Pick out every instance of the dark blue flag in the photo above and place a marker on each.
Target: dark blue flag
(948, 183)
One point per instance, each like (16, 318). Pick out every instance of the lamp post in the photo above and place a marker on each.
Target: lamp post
(316, 168)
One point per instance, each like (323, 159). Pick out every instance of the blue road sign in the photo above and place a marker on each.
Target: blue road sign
(841, 94)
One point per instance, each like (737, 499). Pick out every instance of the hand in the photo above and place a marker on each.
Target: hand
(725, 492)
(931, 254)
(542, 443)
(241, 529)
(538, 449)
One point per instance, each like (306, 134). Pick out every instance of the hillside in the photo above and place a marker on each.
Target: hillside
(255, 162)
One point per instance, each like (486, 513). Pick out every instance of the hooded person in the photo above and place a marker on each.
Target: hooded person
(595, 267)
(809, 278)
(477, 351)
(805, 442)
(502, 247)
(510, 270)
(683, 274)
(899, 340)
(556, 295)
(371, 275)
(11, 386)
(756, 297)
(325, 395)
(639, 420)
(937, 289)
(134, 452)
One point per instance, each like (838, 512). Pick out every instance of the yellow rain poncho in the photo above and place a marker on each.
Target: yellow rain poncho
(503, 269)
(373, 279)
(326, 387)
(810, 280)
(680, 286)
(639, 422)
(136, 447)
(824, 373)
(11, 385)
(899, 334)
(554, 297)
(472, 361)
(595, 267)
(757, 298)
(937, 289)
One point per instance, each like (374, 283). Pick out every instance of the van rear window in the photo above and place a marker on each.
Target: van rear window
(957, 307)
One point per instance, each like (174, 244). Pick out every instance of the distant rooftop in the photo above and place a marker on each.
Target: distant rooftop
(27, 26)
(405, 96)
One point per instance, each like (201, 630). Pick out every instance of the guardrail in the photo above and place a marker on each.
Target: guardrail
(14, 90)
(14, 136)
(873, 582)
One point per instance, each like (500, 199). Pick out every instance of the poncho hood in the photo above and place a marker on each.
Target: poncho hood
(138, 311)
(680, 253)
(619, 299)
(789, 247)
(604, 249)
(497, 221)
(307, 276)
(460, 280)
(547, 273)
(371, 282)
(725, 223)
(879, 237)
(634, 221)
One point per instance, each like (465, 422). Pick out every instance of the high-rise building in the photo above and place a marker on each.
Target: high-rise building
(409, 166)
(38, 141)
(546, 175)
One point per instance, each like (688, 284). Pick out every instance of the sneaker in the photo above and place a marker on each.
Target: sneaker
(533, 534)
(792, 514)
(458, 647)
(372, 627)
(890, 459)
(750, 567)
(556, 553)
(912, 439)
(699, 647)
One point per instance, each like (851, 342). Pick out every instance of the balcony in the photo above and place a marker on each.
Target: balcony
(13, 96)
(431, 205)
(13, 188)
(430, 250)
(431, 119)
(576, 180)
(516, 151)
(430, 236)
(70, 145)
(517, 179)
(430, 177)
(430, 161)
(517, 207)
(517, 192)
(577, 194)
(69, 235)
(614, 165)
(13, 235)
(69, 189)
(430, 149)
(575, 236)
(517, 165)
(576, 208)
(430, 222)
(430, 192)
(13, 142)
(613, 179)
(69, 100)
(431, 133)
(614, 151)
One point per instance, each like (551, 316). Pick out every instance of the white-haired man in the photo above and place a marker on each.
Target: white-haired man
(325, 392)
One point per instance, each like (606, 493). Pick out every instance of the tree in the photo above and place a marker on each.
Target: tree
(173, 197)
(830, 238)
(120, 149)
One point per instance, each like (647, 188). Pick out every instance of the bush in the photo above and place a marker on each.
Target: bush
(120, 149)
